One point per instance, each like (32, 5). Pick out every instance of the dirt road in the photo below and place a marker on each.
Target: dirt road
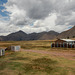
(66, 54)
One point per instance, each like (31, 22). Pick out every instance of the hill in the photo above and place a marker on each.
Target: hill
(21, 36)
(67, 34)
(48, 35)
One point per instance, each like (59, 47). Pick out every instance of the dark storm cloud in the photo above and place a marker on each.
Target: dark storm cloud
(35, 9)
(40, 9)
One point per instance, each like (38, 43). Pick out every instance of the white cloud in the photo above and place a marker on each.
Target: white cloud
(38, 15)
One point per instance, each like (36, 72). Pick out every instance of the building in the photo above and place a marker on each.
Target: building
(67, 41)
(15, 48)
(2, 52)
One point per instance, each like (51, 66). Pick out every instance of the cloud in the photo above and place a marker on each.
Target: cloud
(38, 15)
(40, 9)
(35, 9)
(65, 12)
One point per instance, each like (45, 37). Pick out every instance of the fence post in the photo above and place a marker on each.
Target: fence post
(60, 44)
(1, 52)
(57, 44)
(67, 45)
(51, 45)
(71, 45)
(54, 44)
(63, 45)
(74, 45)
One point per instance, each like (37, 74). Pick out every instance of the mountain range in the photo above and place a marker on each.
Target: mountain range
(21, 36)
(68, 34)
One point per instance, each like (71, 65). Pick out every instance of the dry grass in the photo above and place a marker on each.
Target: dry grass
(36, 63)
(29, 63)
(28, 44)
(33, 45)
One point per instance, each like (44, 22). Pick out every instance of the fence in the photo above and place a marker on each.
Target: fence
(63, 45)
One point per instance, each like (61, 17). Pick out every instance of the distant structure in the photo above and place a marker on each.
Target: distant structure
(15, 48)
(2, 52)
(68, 41)
(65, 43)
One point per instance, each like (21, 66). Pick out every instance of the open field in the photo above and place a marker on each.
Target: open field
(37, 58)
(32, 45)
(28, 44)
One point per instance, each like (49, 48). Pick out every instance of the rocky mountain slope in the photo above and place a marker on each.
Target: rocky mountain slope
(20, 35)
(67, 34)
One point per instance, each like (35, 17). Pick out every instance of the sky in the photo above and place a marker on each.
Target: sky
(36, 15)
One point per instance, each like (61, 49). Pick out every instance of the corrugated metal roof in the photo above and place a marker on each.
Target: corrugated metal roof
(67, 40)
